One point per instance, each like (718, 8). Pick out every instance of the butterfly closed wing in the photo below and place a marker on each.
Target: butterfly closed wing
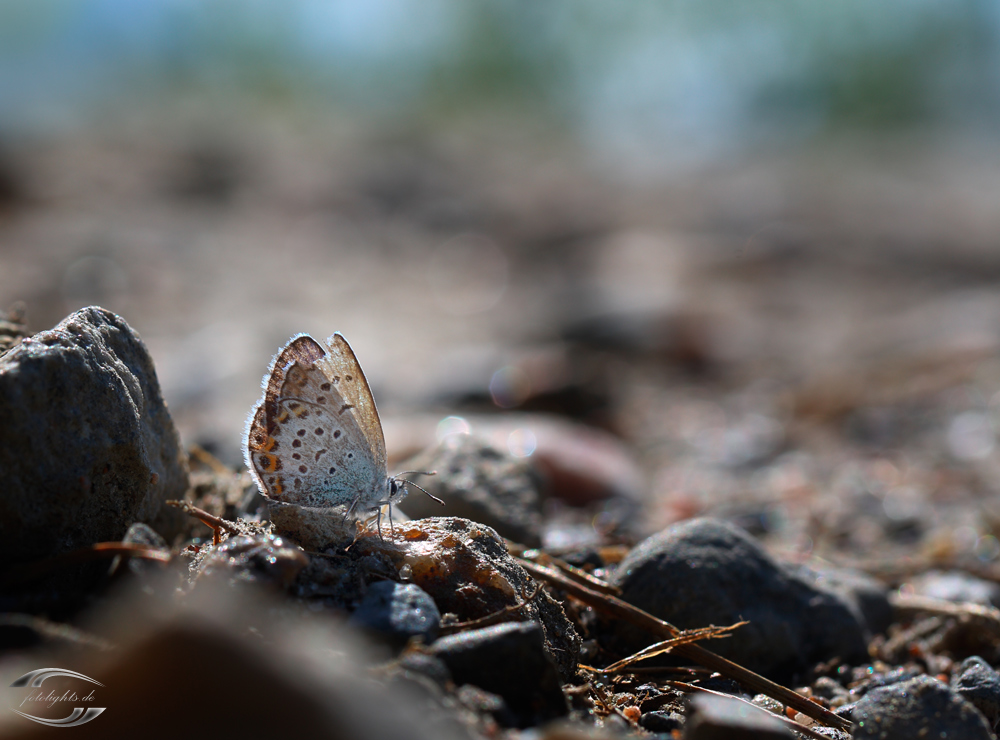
(315, 439)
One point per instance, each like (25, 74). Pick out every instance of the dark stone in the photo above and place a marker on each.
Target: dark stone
(915, 708)
(479, 482)
(87, 446)
(397, 612)
(889, 678)
(868, 596)
(661, 720)
(705, 571)
(713, 717)
(976, 682)
(507, 660)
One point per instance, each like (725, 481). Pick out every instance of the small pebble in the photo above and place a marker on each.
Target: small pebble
(398, 611)
(661, 720)
(508, 660)
(920, 707)
(976, 682)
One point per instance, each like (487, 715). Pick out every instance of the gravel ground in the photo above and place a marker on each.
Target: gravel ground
(791, 357)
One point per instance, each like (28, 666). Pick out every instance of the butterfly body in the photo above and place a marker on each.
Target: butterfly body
(315, 439)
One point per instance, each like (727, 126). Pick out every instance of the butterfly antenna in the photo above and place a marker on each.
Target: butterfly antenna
(419, 472)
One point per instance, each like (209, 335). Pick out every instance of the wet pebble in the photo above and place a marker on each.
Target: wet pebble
(706, 571)
(481, 482)
(508, 660)
(87, 446)
(976, 682)
(916, 708)
(397, 612)
(713, 717)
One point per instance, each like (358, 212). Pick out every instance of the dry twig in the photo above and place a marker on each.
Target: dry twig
(209, 520)
(577, 574)
(685, 637)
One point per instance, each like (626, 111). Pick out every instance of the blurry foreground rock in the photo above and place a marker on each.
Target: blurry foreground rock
(87, 446)
(207, 670)
(705, 571)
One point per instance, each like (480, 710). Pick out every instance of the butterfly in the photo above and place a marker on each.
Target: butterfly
(315, 439)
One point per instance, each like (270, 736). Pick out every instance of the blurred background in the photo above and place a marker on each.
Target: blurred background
(743, 238)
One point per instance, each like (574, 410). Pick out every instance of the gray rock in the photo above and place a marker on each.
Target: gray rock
(508, 660)
(87, 446)
(956, 586)
(706, 571)
(916, 708)
(976, 682)
(398, 611)
(479, 482)
(713, 717)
